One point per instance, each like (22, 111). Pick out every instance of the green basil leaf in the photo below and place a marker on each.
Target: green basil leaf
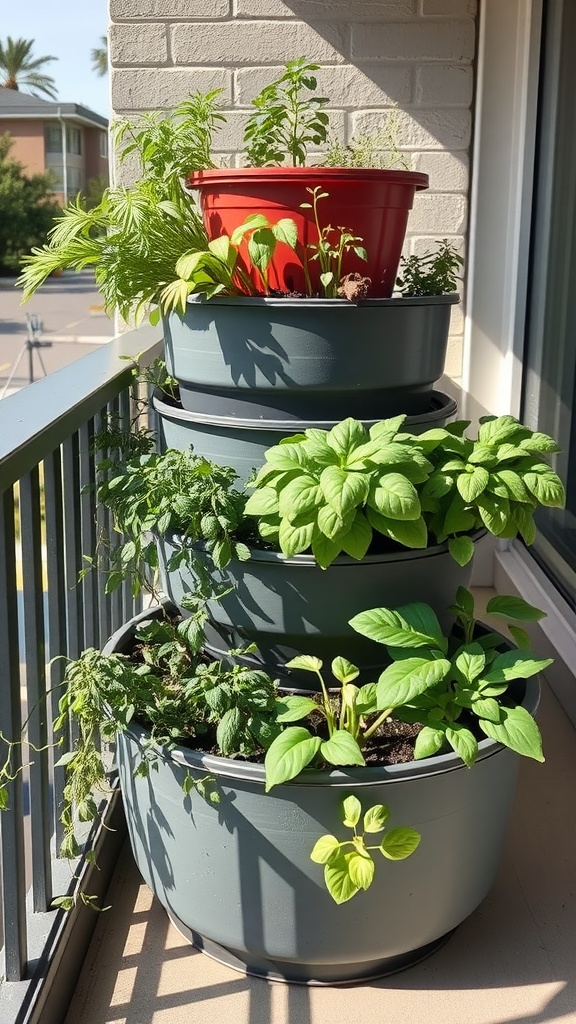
(514, 608)
(325, 849)
(516, 730)
(486, 707)
(262, 502)
(294, 709)
(289, 754)
(325, 550)
(515, 664)
(344, 671)
(361, 870)
(376, 818)
(295, 539)
(338, 880)
(297, 498)
(400, 843)
(346, 436)
(343, 491)
(404, 680)
(352, 811)
(498, 429)
(463, 742)
(392, 628)
(395, 497)
(461, 549)
(428, 742)
(341, 749)
(412, 534)
(305, 662)
(471, 485)
(547, 488)
(358, 538)
(471, 662)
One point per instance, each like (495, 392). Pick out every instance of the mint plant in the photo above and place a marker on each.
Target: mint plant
(332, 245)
(349, 865)
(331, 491)
(431, 273)
(286, 118)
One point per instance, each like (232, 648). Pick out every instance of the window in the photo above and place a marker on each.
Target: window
(103, 145)
(549, 401)
(74, 180)
(53, 138)
(73, 141)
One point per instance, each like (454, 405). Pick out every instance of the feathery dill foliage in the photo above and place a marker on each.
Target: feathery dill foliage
(135, 236)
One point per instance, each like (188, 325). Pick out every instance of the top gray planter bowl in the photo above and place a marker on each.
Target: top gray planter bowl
(309, 358)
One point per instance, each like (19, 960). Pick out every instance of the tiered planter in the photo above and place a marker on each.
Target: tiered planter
(373, 203)
(236, 876)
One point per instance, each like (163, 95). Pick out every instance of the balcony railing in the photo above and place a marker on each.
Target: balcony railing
(48, 521)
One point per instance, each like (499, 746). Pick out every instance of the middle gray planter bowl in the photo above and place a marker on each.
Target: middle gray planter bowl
(290, 358)
(288, 606)
(241, 443)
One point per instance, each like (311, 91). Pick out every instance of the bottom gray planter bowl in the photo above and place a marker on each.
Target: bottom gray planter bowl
(241, 443)
(288, 606)
(236, 877)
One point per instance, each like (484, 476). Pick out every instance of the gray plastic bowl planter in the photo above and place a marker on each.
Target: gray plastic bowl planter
(237, 880)
(288, 606)
(241, 443)
(289, 358)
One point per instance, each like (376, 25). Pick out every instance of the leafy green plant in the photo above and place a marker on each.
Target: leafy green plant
(173, 691)
(431, 273)
(349, 865)
(176, 492)
(332, 491)
(286, 119)
(330, 249)
(451, 688)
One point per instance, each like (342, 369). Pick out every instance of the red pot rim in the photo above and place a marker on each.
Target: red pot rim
(231, 175)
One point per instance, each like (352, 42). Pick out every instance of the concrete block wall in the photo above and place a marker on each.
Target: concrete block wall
(416, 54)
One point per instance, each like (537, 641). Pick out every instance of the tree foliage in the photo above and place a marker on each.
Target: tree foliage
(19, 69)
(99, 57)
(27, 208)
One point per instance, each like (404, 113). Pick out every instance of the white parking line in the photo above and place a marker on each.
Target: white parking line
(79, 339)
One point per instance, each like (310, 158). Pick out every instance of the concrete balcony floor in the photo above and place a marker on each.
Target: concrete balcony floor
(512, 962)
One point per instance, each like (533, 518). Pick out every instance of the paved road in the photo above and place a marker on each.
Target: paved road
(73, 319)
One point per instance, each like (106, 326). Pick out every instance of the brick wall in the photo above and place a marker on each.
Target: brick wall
(417, 54)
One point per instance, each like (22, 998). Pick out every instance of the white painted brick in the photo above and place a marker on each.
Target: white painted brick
(418, 40)
(444, 85)
(138, 44)
(231, 136)
(423, 129)
(326, 10)
(438, 214)
(237, 42)
(420, 244)
(448, 172)
(454, 356)
(448, 8)
(159, 10)
(149, 88)
(376, 85)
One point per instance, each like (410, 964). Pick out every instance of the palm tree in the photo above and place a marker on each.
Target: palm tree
(99, 57)
(18, 69)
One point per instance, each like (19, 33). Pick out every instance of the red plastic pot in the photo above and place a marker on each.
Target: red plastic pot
(373, 203)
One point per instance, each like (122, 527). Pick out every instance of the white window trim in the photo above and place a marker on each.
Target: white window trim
(498, 260)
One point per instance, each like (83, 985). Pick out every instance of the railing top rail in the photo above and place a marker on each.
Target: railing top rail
(35, 420)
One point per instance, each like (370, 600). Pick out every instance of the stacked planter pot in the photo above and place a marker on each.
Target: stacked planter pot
(236, 878)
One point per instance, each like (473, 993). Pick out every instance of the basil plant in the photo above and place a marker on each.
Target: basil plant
(328, 492)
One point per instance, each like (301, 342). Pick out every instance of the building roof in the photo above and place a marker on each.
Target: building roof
(16, 104)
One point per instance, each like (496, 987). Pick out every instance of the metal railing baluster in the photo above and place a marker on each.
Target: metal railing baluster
(12, 820)
(35, 651)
